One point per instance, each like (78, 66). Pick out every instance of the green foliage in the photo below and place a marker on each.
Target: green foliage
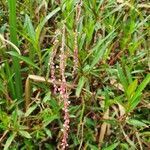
(13, 37)
(109, 93)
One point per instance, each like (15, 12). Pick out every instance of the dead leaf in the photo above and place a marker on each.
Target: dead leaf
(121, 110)
(115, 84)
(120, 1)
(103, 128)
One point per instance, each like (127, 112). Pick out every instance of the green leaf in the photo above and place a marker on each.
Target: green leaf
(25, 59)
(145, 133)
(143, 85)
(122, 78)
(30, 110)
(13, 39)
(131, 88)
(115, 10)
(133, 104)
(136, 123)
(98, 56)
(25, 134)
(109, 37)
(93, 147)
(81, 83)
(41, 25)
(82, 40)
(128, 73)
(89, 122)
(48, 132)
(111, 147)
(48, 120)
(134, 101)
(86, 69)
(9, 141)
(47, 97)
(29, 27)
(100, 50)
(124, 146)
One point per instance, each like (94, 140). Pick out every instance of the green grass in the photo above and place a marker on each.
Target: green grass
(109, 90)
(13, 38)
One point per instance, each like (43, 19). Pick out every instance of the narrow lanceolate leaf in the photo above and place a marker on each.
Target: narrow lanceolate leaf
(96, 48)
(10, 82)
(136, 123)
(99, 51)
(81, 83)
(25, 134)
(27, 93)
(13, 39)
(41, 25)
(29, 27)
(47, 121)
(132, 87)
(9, 141)
(131, 105)
(122, 77)
(30, 110)
(134, 101)
(101, 41)
(143, 84)
(111, 147)
(25, 59)
(98, 56)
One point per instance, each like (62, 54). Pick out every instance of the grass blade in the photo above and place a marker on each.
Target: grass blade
(25, 59)
(10, 83)
(9, 141)
(25, 134)
(134, 101)
(13, 38)
(122, 77)
(41, 25)
(80, 86)
(28, 26)
(112, 147)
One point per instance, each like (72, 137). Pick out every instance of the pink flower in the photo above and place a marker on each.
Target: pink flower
(52, 67)
(64, 94)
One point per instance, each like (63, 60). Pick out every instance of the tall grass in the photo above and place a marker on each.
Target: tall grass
(13, 39)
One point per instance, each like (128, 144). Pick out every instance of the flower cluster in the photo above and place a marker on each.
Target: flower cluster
(64, 94)
(52, 67)
(75, 56)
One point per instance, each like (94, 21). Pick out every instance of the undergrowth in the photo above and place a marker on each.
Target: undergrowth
(74, 74)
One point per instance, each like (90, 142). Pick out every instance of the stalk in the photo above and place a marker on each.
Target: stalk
(64, 94)
(13, 39)
(75, 56)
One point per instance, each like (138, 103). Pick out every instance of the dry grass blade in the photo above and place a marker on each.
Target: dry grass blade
(131, 143)
(121, 110)
(139, 140)
(144, 6)
(3, 136)
(43, 79)
(103, 129)
(10, 43)
(36, 78)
